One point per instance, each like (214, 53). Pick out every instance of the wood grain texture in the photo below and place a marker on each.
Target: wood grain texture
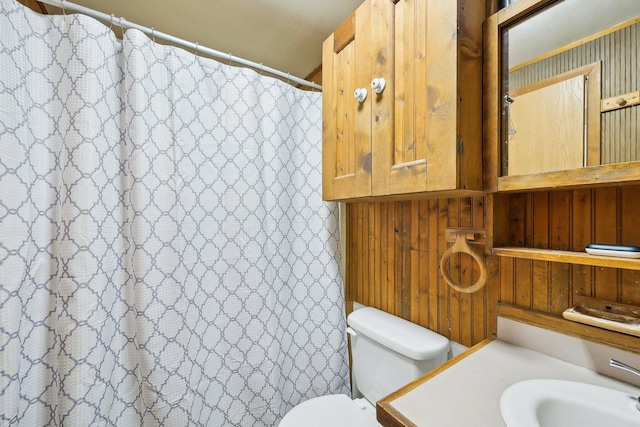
(34, 5)
(618, 51)
(409, 243)
(545, 268)
(548, 139)
(611, 162)
(347, 125)
(436, 139)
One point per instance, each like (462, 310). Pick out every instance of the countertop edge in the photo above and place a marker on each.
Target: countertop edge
(388, 416)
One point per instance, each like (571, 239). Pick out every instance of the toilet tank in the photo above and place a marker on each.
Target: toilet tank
(389, 352)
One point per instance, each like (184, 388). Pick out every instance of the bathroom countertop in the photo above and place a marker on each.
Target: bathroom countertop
(466, 390)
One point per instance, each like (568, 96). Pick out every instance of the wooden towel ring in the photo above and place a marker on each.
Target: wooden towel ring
(462, 245)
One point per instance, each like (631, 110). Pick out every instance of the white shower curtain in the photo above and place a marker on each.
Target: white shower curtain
(165, 256)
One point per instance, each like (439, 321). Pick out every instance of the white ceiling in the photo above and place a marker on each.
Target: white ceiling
(283, 34)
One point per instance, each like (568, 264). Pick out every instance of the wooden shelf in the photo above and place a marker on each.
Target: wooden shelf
(570, 257)
(613, 174)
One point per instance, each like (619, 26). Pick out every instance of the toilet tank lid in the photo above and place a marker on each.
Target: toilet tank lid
(400, 335)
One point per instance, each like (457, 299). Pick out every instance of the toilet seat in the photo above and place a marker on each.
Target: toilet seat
(333, 410)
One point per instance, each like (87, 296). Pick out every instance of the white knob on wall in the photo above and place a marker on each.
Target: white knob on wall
(378, 84)
(360, 94)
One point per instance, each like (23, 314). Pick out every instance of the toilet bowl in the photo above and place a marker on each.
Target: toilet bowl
(334, 410)
(387, 353)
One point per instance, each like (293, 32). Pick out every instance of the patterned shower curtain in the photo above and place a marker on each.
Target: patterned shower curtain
(165, 256)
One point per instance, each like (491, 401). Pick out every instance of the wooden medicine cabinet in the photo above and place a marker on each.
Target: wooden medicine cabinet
(561, 94)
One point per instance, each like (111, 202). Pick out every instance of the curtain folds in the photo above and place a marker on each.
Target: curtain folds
(165, 255)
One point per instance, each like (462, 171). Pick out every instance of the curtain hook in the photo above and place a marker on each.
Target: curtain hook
(196, 51)
(230, 58)
(288, 78)
(153, 34)
(111, 22)
(261, 69)
(64, 9)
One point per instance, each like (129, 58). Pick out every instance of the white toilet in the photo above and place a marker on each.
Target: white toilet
(387, 352)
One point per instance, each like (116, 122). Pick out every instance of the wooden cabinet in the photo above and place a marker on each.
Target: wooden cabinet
(422, 134)
(589, 135)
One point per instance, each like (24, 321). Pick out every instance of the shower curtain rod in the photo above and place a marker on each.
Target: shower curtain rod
(124, 24)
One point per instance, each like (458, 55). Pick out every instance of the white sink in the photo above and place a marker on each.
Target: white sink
(548, 402)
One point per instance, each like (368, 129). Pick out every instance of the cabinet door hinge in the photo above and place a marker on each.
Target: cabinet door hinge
(460, 147)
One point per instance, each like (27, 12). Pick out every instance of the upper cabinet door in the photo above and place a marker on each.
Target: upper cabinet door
(437, 143)
(358, 52)
(419, 128)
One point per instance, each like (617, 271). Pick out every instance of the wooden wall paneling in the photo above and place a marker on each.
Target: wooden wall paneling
(540, 221)
(582, 281)
(423, 262)
(605, 210)
(437, 302)
(560, 220)
(395, 249)
(455, 267)
(523, 275)
(354, 256)
(357, 255)
(492, 296)
(517, 219)
(559, 288)
(479, 300)
(351, 257)
(364, 252)
(384, 258)
(507, 280)
(444, 294)
(413, 252)
(375, 253)
(629, 235)
(611, 87)
(582, 205)
(559, 238)
(400, 259)
(539, 237)
(619, 52)
(406, 298)
(467, 276)
(392, 254)
(540, 294)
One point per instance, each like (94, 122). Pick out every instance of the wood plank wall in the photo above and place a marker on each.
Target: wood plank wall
(393, 253)
(619, 52)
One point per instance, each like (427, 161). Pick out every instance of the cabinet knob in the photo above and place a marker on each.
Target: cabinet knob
(378, 84)
(360, 94)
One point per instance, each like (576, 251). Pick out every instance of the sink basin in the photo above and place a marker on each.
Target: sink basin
(549, 402)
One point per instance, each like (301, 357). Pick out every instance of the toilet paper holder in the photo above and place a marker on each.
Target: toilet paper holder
(462, 237)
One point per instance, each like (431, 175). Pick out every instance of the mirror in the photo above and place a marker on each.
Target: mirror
(570, 86)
